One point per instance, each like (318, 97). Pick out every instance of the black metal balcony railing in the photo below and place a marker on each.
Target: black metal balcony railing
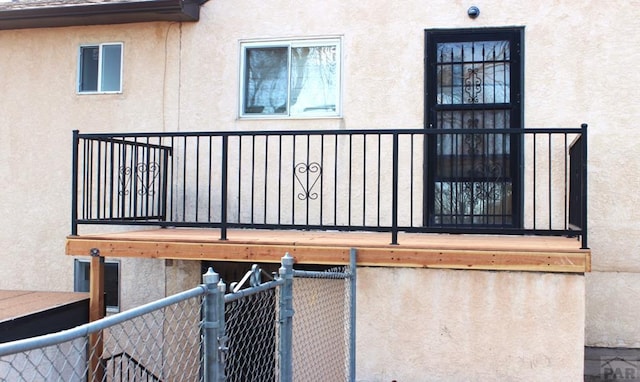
(364, 180)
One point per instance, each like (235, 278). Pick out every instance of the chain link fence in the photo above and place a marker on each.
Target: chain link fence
(152, 343)
(323, 330)
(297, 325)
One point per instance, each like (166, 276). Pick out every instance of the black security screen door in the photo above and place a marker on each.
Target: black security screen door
(473, 87)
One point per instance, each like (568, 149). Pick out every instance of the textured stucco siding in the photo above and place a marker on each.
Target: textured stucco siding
(447, 325)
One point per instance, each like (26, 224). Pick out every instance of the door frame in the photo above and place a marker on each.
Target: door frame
(516, 37)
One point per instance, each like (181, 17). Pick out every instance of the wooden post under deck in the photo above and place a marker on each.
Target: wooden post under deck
(96, 312)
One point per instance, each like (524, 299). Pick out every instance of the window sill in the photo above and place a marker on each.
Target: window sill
(285, 117)
(97, 93)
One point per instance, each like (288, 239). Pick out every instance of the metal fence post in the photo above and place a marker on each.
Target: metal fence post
(286, 319)
(222, 331)
(213, 327)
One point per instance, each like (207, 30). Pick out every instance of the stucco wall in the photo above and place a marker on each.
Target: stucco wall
(579, 67)
(40, 108)
(141, 281)
(445, 325)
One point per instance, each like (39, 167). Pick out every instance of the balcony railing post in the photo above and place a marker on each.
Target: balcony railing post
(74, 183)
(224, 185)
(394, 202)
(583, 186)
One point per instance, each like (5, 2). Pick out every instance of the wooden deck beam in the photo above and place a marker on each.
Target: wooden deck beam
(515, 253)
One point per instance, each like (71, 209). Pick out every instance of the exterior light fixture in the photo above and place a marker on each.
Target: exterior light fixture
(473, 11)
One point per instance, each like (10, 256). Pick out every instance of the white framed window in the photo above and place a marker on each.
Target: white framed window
(100, 68)
(81, 272)
(291, 78)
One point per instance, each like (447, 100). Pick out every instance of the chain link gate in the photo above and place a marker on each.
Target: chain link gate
(298, 325)
(323, 343)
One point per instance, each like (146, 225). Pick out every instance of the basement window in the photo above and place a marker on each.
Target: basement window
(100, 68)
(82, 270)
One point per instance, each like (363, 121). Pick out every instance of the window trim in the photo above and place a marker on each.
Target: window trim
(99, 79)
(289, 43)
(76, 281)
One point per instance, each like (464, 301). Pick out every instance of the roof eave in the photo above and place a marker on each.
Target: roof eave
(100, 14)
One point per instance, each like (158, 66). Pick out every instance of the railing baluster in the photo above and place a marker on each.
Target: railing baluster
(322, 166)
(566, 182)
(74, 182)
(364, 179)
(266, 179)
(184, 178)
(549, 181)
(308, 188)
(151, 191)
(379, 178)
(583, 186)
(535, 164)
(112, 172)
(335, 180)
(98, 180)
(252, 184)
(209, 178)
(173, 166)
(411, 178)
(349, 179)
(133, 200)
(88, 178)
(239, 177)
(279, 179)
(197, 181)
(121, 182)
(293, 181)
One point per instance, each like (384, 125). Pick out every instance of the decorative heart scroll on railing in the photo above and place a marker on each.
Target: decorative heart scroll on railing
(313, 173)
(145, 175)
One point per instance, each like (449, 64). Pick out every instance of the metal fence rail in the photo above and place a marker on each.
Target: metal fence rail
(495, 181)
(206, 334)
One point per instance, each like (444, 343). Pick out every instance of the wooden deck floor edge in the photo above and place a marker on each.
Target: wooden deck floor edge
(513, 260)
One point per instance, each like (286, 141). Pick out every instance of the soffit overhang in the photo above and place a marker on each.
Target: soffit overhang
(56, 13)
